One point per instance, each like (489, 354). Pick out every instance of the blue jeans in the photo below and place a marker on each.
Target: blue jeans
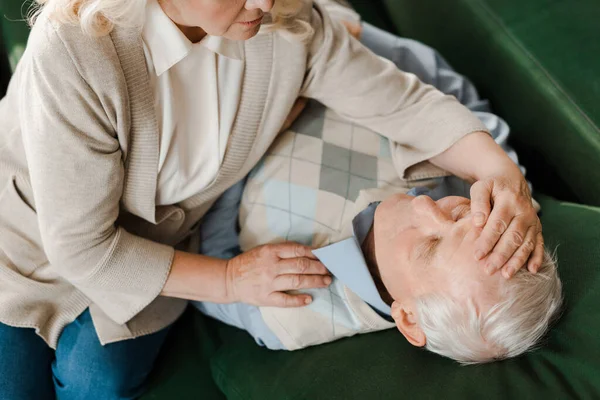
(80, 368)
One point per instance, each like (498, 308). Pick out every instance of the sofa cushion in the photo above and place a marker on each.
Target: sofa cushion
(385, 365)
(537, 61)
(182, 371)
(374, 12)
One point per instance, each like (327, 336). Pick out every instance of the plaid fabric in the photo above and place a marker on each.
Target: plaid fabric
(305, 187)
(304, 190)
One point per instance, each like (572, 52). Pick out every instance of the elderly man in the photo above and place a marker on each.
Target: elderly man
(399, 256)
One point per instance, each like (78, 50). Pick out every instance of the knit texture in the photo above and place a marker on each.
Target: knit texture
(79, 226)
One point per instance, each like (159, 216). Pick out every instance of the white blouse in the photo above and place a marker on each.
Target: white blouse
(197, 89)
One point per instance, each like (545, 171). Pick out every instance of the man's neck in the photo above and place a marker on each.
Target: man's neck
(368, 249)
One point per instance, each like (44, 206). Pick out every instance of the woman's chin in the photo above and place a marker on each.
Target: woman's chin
(243, 33)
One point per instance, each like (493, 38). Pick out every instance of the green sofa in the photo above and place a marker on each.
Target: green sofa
(538, 61)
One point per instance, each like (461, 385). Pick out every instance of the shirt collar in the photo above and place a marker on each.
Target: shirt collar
(346, 261)
(168, 45)
(233, 49)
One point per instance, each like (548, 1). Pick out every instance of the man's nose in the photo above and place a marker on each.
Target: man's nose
(264, 5)
(429, 212)
(450, 203)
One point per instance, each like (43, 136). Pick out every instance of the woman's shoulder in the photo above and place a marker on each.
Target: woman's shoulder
(52, 43)
(49, 38)
(82, 62)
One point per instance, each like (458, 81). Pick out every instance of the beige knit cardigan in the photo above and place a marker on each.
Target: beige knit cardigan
(79, 145)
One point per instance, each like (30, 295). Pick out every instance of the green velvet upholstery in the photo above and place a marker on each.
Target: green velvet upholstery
(375, 13)
(5, 71)
(183, 369)
(14, 28)
(538, 62)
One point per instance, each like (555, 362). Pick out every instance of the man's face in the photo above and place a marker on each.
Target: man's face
(425, 247)
(233, 19)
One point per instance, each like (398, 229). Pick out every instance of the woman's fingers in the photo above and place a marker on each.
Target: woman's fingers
(280, 299)
(496, 225)
(519, 259)
(537, 257)
(513, 239)
(302, 265)
(481, 200)
(261, 275)
(510, 231)
(299, 282)
(291, 250)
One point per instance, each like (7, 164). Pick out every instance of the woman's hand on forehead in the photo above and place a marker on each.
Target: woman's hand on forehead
(512, 231)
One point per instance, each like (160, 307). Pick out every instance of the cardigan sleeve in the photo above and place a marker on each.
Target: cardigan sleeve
(77, 171)
(371, 91)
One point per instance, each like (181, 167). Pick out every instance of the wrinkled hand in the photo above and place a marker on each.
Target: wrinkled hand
(511, 227)
(262, 275)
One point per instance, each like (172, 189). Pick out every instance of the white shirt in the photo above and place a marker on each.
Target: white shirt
(197, 88)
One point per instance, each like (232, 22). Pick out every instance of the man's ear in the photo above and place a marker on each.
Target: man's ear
(406, 321)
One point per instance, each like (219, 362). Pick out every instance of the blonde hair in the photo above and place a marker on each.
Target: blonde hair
(515, 325)
(99, 17)
(96, 17)
(285, 20)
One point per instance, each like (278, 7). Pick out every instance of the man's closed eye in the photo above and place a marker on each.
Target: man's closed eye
(428, 248)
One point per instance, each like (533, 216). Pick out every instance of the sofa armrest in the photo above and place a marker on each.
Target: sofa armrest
(536, 63)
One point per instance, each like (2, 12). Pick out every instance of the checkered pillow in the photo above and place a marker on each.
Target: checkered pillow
(304, 188)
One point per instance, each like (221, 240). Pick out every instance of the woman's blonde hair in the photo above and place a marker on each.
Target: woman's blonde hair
(285, 19)
(99, 17)
(96, 17)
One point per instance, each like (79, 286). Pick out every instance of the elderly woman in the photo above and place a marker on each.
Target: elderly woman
(124, 123)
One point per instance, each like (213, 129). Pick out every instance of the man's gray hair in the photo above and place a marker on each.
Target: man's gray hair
(513, 326)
